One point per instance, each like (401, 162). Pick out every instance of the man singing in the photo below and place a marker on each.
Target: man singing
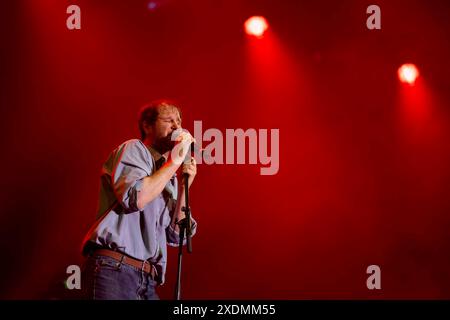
(140, 203)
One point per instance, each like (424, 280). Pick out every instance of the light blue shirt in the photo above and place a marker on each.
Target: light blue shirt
(119, 224)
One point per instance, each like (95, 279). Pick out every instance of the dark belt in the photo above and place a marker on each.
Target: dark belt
(145, 266)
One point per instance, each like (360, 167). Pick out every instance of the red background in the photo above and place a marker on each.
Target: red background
(364, 172)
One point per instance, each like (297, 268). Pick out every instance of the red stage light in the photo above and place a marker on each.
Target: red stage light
(256, 26)
(408, 73)
(152, 5)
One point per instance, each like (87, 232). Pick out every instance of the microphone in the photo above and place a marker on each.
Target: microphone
(195, 149)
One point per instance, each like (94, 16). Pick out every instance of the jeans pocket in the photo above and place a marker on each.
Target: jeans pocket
(108, 263)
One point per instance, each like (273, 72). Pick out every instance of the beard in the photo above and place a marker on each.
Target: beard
(164, 144)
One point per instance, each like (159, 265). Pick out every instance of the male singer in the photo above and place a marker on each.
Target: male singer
(140, 203)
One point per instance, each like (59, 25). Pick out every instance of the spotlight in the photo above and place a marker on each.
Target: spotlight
(256, 26)
(152, 5)
(408, 73)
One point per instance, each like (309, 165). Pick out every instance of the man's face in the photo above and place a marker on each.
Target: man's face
(167, 122)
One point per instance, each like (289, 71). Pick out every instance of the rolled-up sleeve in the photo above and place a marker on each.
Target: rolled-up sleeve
(131, 164)
(173, 237)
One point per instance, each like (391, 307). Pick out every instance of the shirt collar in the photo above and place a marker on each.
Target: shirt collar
(155, 154)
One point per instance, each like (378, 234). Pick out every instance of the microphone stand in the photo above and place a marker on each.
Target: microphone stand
(185, 229)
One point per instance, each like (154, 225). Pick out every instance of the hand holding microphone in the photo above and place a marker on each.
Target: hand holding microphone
(183, 141)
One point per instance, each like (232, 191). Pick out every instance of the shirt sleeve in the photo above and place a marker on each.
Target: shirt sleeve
(173, 237)
(131, 164)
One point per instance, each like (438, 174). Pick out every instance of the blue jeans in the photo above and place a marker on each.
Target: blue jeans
(105, 278)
